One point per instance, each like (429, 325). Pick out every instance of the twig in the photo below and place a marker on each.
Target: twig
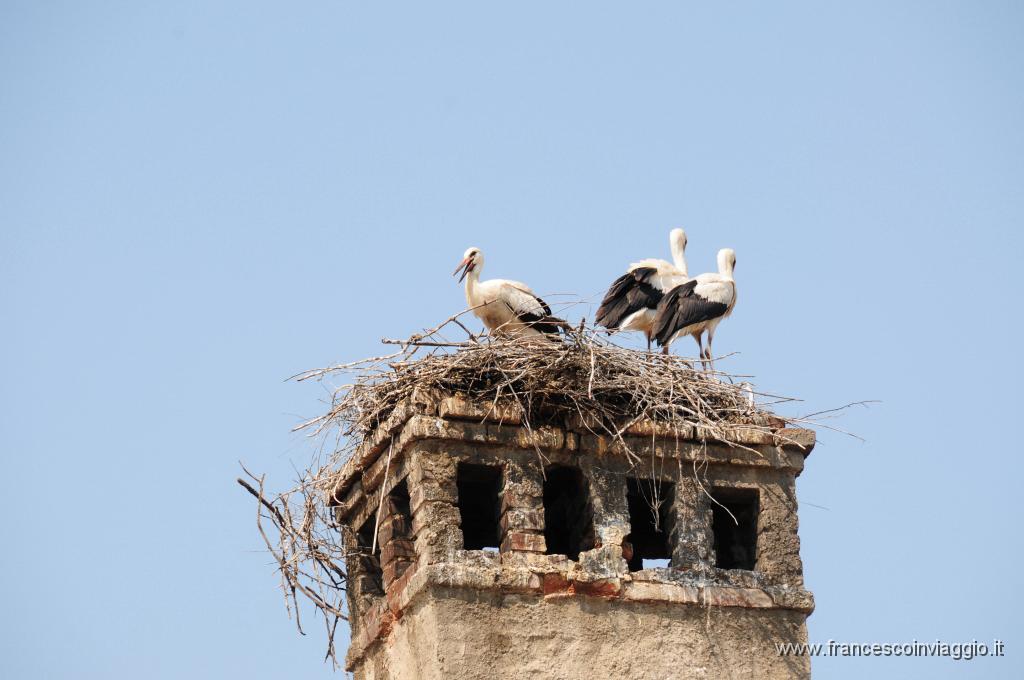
(584, 379)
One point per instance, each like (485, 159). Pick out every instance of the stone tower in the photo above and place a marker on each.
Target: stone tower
(504, 551)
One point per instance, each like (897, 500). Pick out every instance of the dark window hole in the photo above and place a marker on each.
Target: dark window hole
(479, 505)
(369, 558)
(651, 520)
(568, 517)
(735, 528)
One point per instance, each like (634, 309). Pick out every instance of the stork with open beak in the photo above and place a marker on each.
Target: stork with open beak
(506, 307)
(632, 300)
(697, 306)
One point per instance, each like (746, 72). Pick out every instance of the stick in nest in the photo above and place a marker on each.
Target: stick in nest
(584, 381)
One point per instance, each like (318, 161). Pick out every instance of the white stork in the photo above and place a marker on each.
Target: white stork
(631, 301)
(697, 306)
(505, 307)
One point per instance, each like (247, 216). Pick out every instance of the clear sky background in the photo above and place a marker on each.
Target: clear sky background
(198, 200)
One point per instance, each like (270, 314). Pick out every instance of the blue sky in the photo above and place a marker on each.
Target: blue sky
(198, 200)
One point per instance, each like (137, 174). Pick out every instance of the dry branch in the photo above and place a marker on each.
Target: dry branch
(582, 381)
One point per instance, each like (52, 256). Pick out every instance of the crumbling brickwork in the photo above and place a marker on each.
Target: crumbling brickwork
(426, 607)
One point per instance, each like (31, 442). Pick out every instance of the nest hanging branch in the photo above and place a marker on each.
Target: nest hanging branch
(583, 379)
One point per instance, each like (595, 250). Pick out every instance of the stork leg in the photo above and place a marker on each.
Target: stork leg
(648, 343)
(711, 336)
(700, 346)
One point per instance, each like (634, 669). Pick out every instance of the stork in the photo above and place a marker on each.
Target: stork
(631, 301)
(697, 306)
(506, 307)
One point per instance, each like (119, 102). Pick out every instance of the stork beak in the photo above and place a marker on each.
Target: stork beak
(466, 265)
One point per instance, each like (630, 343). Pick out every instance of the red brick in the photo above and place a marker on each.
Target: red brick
(393, 571)
(430, 492)
(377, 622)
(397, 549)
(555, 583)
(518, 518)
(515, 500)
(608, 588)
(519, 541)
(394, 595)
(393, 526)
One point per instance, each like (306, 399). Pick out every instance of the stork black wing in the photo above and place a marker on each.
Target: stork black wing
(630, 293)
(682, 307)
(547, 310)
(532, 310)
(544, 324)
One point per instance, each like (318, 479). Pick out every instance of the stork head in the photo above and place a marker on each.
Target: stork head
(472, 259)
(726, 261)
(677, 243)
(677, 239)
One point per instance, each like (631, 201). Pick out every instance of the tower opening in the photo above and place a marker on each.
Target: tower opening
(479, 505)
(568, 517)
(369, 558)
(651, 521)
(395, 533)
(735, 528)
(401, 514)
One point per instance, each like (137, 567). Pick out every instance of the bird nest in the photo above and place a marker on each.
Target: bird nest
(581, 380)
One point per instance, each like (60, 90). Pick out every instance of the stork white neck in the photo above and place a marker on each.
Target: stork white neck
(472, 279)
(677, 243)
(473, 260)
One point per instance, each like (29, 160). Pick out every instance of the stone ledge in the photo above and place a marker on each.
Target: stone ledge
(453, 417)
(560, 585)
(458, 407)
(649, 591)
(538, 577)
